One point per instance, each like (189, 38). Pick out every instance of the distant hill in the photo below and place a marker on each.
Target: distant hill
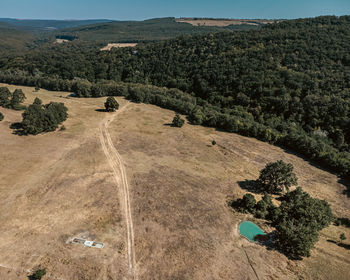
(48, 25)
(13, 39)
(148, 30)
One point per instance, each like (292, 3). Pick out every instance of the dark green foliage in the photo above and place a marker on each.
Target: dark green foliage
(213, 142)
(5, 97)
(264, 209)
(295, 239)
(111, 104)
(276, 177)
(17, 98)
(39, 118)
(342, 236)
(178, 121)
(1, 116)
(299, 219)
(12, 101)
(342, 222)
(148, 30)
(38, 274)
(245, 204)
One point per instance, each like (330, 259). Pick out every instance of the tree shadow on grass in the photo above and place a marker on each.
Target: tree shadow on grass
(17, 129)
(345, 246)
(346, 183)
(250, 185)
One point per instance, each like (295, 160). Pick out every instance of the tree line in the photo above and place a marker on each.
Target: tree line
(199, 111)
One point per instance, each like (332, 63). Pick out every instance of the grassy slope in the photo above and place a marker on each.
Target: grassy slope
(59, 184)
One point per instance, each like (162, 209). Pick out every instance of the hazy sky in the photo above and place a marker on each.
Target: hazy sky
(143, 9)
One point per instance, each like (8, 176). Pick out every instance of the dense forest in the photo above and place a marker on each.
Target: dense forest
(287, 83)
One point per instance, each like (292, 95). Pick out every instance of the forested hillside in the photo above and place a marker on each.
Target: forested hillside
(147, 30)
(287, 83)
(12, 39)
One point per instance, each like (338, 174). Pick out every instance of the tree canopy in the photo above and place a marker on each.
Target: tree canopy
(111, 104)
(39, 118)
(277, 176)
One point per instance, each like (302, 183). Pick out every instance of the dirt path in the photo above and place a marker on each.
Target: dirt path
(117, 165)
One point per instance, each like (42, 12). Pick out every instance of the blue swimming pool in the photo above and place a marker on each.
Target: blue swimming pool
(250, 230)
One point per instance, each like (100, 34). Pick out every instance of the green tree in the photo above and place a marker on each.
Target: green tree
(178, 121)
(246, 204)
(17, 98)
(111, 104)
(1, 116)
(264, 208)
(38, 274)
(5, 97)
(298, 221)
(39, 118)
(276, 177)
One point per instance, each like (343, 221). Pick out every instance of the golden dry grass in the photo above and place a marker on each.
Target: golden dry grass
(59, 184)
(221, 22)
(118, 45)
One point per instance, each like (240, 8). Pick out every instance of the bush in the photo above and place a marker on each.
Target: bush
(276, 177)
(111, 104)
(213, 142)
(1, 116)
(37, 275)
(245, 204)
(177, 121)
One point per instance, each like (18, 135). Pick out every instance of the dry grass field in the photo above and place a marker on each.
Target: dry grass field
(58, 185)
(222, 22)
(118, 45)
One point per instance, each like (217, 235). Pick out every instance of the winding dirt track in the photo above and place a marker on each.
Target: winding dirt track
(116, 163)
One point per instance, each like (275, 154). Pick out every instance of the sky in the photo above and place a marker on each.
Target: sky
(138, 9)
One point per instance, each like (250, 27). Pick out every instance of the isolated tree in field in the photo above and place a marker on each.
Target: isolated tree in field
(276, 177)
(1, 116)
(177, 121)
(5, 97)
(111, 104)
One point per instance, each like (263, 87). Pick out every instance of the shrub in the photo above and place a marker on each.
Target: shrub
(1, 116)
(37, 275)
(177, 121)
(111, 104)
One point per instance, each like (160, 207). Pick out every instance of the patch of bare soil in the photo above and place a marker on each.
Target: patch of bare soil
(60, 41)
(118, 45)
(222, 22)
